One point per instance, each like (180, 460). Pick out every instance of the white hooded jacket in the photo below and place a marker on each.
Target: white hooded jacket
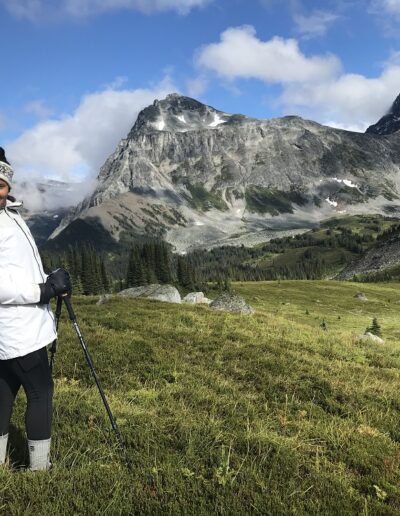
(25, 326)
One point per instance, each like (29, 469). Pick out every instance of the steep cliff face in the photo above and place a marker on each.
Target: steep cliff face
(389, 123)
(199, 176)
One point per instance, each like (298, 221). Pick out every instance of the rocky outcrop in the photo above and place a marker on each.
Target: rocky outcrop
(384, 256)
(198, 176)
(361, 296)
(389, 123)
(229, 302)
(196, 298)
(104, 299)
(370, 337)
(166, 293)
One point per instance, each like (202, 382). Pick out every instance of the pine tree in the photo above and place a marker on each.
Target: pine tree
(163, 268)
(136, 272)
(104, 277)
(375, 328)
(182, 272)
(77, 285)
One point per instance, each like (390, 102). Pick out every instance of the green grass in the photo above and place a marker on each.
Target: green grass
(203, 200)
(274, 202)
(335, 257)
(225, 414)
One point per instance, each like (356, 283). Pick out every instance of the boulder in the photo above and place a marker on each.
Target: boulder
(104, 298)
(230, 302)
(361, 296)
(166, 293)
(368, 336)
(196, 298)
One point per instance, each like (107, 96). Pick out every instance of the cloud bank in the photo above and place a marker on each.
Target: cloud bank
(240, 54)
(389, 6)
(314, 25)
(313, 86)
(73, 148)
(40, 10)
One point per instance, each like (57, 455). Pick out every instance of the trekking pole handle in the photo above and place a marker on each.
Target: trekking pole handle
(67, 300)
(59, 306)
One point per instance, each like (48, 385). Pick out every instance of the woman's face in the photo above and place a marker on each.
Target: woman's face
(4, 191)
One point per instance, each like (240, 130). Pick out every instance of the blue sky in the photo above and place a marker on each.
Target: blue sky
(76, 72)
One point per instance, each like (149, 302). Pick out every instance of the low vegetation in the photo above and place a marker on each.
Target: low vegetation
(319, 253)
(225, 414)
(272, 201)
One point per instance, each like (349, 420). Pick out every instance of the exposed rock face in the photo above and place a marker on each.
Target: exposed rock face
(389, 123)
(196, 298)
(370, 337)
(229, 302)
(166, 293)
(201, 177)
(385, 255)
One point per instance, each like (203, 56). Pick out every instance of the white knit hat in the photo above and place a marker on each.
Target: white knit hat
(6, 173)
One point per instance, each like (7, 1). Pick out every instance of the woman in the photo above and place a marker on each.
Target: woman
(26, 326)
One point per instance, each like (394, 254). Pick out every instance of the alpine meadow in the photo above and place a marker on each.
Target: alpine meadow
(224, 413)
(200, 258)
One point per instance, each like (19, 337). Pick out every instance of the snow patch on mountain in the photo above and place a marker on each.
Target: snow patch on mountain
(217, 121)
(347, 182)
(332, 203)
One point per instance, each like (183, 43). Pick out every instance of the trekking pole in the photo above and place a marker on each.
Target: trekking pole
(120, 441)
(53, 348)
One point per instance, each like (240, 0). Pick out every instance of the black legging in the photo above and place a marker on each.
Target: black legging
(32, 371)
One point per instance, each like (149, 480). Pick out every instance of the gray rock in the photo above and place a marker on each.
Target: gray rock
(384, 255)
(105, 298)
(196, 298)
(361, 296)
(229, 302)
(166, 293)
(389, 123)
(200, 176)
(371, 337)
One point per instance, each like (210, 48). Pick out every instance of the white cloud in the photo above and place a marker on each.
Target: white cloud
(240, 54)
(38, 108)
(315, 24)
(349, 100)
(196, 86)
(314, 87)
(74, 147)
(39, 10)
(389, 6)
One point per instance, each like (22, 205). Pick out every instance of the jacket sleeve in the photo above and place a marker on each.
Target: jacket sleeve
(16, 291)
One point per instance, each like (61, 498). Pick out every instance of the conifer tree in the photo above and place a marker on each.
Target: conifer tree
(375, 328)
(104, 277)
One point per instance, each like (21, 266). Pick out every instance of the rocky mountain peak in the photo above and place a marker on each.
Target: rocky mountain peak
(389, 123)
(177, 113)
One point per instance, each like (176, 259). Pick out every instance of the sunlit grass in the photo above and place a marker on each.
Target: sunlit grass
(224, 413)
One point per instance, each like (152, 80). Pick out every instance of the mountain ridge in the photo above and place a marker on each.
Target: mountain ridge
(198, 176)
(389, 123)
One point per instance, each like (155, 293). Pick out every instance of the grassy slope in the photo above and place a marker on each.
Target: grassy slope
(335, 258)
(226, 414)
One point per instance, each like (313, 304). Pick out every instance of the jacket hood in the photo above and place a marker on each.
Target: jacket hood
(12, 203)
